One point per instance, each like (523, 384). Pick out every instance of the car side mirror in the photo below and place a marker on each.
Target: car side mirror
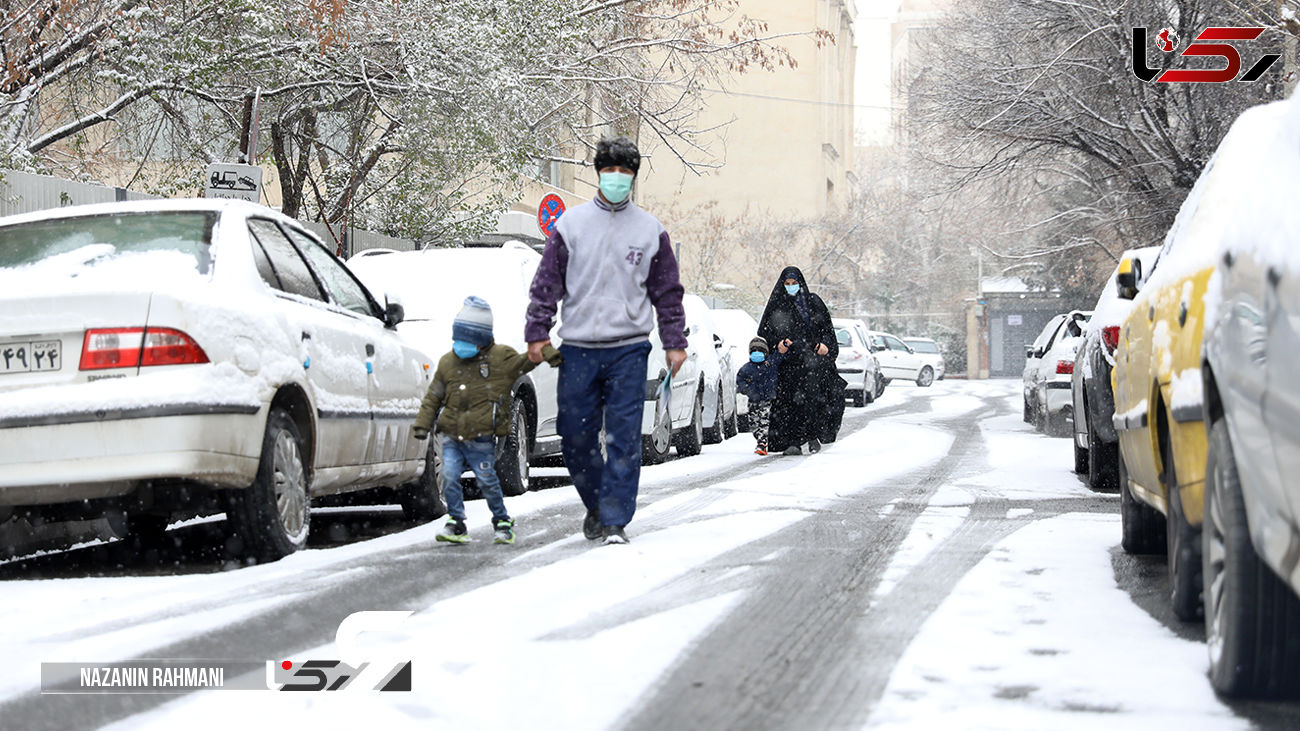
(393, 314)
(1127, 278)
(1029, 351)
(909, 349)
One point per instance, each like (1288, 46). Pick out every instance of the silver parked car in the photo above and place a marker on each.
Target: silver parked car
(172, 358)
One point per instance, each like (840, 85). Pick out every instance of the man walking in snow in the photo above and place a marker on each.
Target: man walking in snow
(612, 266)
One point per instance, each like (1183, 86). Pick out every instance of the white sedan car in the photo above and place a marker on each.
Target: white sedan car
(899, 360)
(703, 401)
(502, 276)
(929, 352)
(855, 362)
(172, 358)
(737, 329)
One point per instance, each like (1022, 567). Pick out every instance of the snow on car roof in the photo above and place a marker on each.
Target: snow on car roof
(149, 206)
(1242, 199)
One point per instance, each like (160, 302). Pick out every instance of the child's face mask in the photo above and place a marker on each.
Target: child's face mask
(463, 349)
(792, 289)
(757, 357)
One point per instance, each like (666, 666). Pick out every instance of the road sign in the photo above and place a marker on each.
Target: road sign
(548, 212)
(232, 180)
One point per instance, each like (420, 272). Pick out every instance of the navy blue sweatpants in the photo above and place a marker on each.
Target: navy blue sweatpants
(595, 385)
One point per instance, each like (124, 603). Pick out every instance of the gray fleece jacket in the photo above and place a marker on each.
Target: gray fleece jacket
(612, 267)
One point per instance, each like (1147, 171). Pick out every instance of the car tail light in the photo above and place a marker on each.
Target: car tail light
(165, 346)
(1110, 336)
(128, 347)
(1065, 366)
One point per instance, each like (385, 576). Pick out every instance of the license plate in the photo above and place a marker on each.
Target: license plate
(25, 356)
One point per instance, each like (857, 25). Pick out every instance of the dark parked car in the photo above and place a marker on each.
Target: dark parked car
(1096, 444)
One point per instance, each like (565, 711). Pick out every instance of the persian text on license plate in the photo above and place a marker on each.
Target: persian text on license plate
(25, 356)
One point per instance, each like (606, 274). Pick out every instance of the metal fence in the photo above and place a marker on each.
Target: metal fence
(24, 192)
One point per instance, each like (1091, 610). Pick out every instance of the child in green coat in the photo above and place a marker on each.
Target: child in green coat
(468, 404)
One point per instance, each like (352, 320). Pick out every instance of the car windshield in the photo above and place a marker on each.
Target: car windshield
(86, 241)
(923, 346)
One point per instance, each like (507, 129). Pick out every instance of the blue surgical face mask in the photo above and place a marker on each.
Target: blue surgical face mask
(757, 357)
(792, 289)
(463, 349)
(615, 186)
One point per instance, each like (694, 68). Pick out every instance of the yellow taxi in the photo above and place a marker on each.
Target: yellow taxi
(1157, 376)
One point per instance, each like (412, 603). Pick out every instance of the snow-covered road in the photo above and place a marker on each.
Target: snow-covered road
(938, 566)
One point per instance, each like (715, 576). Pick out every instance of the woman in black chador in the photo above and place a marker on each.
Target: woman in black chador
(809, 391)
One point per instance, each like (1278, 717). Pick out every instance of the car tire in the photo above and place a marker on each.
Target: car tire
(272, 517)
(512, 460)
(655, 445)
(731, 426)
(859, 398)
(880, 386)
(1103, 463)
(1142, 526)
(423, 500)
(713, 434)
(925, 378)
(1252, 618)
(1183, 551)
(1029, 413)
(1080, 457)
(690, 441)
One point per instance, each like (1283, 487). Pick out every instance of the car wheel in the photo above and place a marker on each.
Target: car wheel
(731, 427)
(691, 440)
(1183, 547)
(1251, 616)
(713, 435)
(859, 398)
(422, 500)
(272, 516)
(1103, 459)
(1080, 457)
(655, 445)
(1142, 526)
(926, 377)
(512, 462)
(868, 390)
(1029, 413)
(880, 385)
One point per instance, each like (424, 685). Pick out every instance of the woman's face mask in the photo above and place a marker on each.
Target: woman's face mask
(463, 349)
(792, 289)
(615, 186)
(757, 357)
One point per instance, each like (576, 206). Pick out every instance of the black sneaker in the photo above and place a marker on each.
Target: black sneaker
(814, 446)
(591, 525)
(614, 534)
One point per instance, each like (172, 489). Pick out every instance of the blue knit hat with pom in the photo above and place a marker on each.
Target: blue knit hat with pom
(474, 323)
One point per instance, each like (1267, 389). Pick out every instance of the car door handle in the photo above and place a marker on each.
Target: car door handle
(370, 349)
